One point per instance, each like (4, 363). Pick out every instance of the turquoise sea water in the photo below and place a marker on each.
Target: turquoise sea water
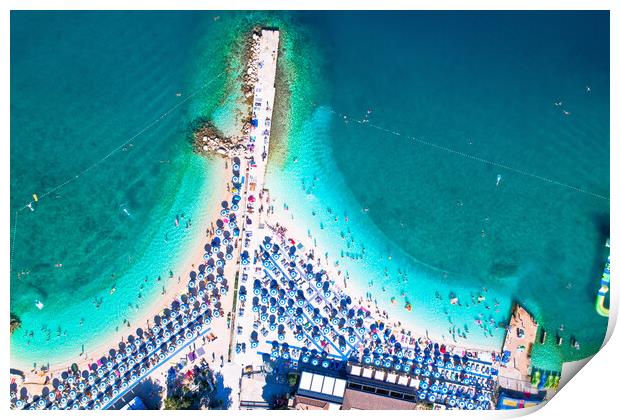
(484, 84)
(82, 85)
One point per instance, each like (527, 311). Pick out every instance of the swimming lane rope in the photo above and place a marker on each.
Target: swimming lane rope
(125, 142)
(107, 156)
(13, 241)
(472, 157)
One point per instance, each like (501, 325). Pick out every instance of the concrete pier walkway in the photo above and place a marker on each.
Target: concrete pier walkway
(252, 197)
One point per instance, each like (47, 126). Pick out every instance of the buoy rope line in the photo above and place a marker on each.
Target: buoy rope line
(124, 143)
(470, 156)
(13, 241)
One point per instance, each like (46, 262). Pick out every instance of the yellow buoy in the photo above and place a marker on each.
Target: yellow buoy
(36, 198)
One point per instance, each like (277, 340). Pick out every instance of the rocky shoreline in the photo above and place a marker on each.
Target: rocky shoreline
(15, 323)
(207, 139)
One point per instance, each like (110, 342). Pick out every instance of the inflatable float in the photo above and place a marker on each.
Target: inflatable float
(602, 292)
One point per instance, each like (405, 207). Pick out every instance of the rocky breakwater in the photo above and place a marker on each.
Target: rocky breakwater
(15, 323)
(207, 139)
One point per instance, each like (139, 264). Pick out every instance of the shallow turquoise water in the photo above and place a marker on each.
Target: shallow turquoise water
(482, 84)
(83, 84)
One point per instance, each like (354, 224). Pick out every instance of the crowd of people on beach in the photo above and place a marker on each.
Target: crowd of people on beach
(187, 317)
(310, 320)
(452, 306)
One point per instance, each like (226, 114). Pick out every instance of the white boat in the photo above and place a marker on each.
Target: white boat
(38, 304)
(499, 179)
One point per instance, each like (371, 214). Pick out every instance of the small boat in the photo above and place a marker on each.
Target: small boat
(574, 343)
(498, 180)
(559, 340)
(176, 221)
(29, 205)
(38, 304)
(36, 197)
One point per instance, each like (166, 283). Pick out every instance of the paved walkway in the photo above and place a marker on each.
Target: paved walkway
(258, 142)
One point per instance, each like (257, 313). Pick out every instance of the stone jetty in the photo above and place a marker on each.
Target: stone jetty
(208, 140)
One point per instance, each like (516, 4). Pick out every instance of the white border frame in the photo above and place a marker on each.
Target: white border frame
(591, 394)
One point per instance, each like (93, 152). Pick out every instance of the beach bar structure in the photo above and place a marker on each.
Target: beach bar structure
(322, 388)
(516, 366)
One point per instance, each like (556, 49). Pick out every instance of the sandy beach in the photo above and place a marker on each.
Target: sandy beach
(296, 229)
(174, 288)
